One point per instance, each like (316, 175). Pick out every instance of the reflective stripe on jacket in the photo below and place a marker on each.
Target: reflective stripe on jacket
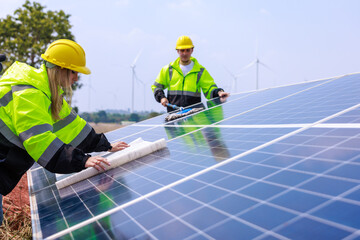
(184, 90)
(25, 113)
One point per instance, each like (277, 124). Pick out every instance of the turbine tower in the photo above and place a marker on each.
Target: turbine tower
(132, 66)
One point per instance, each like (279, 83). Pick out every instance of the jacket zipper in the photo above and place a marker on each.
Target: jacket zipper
(182, 91)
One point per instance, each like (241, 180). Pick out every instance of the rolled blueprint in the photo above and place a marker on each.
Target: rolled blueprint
(137, 149)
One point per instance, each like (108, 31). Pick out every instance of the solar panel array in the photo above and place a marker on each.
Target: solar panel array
(279, 163)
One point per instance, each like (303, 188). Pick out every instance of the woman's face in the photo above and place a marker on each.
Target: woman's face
(73, 77)
(70, 77)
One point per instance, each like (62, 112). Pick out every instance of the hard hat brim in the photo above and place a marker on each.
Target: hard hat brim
(184, 47)
(83, 70)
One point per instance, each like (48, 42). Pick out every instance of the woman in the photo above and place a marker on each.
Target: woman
(38, 125)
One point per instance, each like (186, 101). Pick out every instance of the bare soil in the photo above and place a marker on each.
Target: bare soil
(17, 217)
(19, 196)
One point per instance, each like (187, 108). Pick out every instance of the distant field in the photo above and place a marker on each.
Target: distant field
(105, 127)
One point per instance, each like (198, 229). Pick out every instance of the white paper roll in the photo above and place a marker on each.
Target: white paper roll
(137, 149)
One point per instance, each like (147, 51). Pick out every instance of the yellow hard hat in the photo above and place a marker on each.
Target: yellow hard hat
(184, 42)
(66, 54)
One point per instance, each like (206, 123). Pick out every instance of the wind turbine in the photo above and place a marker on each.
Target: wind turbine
(234, 81)
(132, 66)
(256, 62)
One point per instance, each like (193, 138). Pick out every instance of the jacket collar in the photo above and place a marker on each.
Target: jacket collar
(22, 74)
(176, 65)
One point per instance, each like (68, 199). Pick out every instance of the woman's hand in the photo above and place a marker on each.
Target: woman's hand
(118, 146)
(97, 162)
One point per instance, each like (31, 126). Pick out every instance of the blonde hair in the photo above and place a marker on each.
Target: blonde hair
(59, 78)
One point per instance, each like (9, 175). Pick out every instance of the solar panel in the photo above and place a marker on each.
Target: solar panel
(280, 163)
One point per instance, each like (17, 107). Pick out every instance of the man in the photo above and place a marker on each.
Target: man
(185, 78)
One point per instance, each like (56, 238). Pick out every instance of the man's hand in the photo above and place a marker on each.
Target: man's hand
(223, 96)
(164, 101)
(118, 146)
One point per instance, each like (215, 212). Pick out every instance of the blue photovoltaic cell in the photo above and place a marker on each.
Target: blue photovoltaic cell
(315, 166)
(349, 117)
(211, 183)
(307, 106)
(298, 201)
(328, 186)
(289, 178)
(264, 216)
(319, 230)
(341, 212)
(355, 195)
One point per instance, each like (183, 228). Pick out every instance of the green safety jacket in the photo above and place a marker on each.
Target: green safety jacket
(28, 132)
(184, 90)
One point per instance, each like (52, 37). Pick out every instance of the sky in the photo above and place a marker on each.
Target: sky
(295, 40)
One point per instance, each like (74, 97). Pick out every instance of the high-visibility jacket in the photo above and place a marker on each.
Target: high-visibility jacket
(184, 90)
(28, 132)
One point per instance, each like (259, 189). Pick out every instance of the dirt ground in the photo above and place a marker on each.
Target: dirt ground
(19, 196)
(17, 217)
(17, 204)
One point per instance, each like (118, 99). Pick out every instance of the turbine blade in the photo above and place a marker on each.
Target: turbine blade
(264, 65)
(248, 66)
(136, 58)
(231, 74)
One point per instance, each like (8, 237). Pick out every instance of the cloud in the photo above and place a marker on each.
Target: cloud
(187, 4)
(264, 11)
(122, 3)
